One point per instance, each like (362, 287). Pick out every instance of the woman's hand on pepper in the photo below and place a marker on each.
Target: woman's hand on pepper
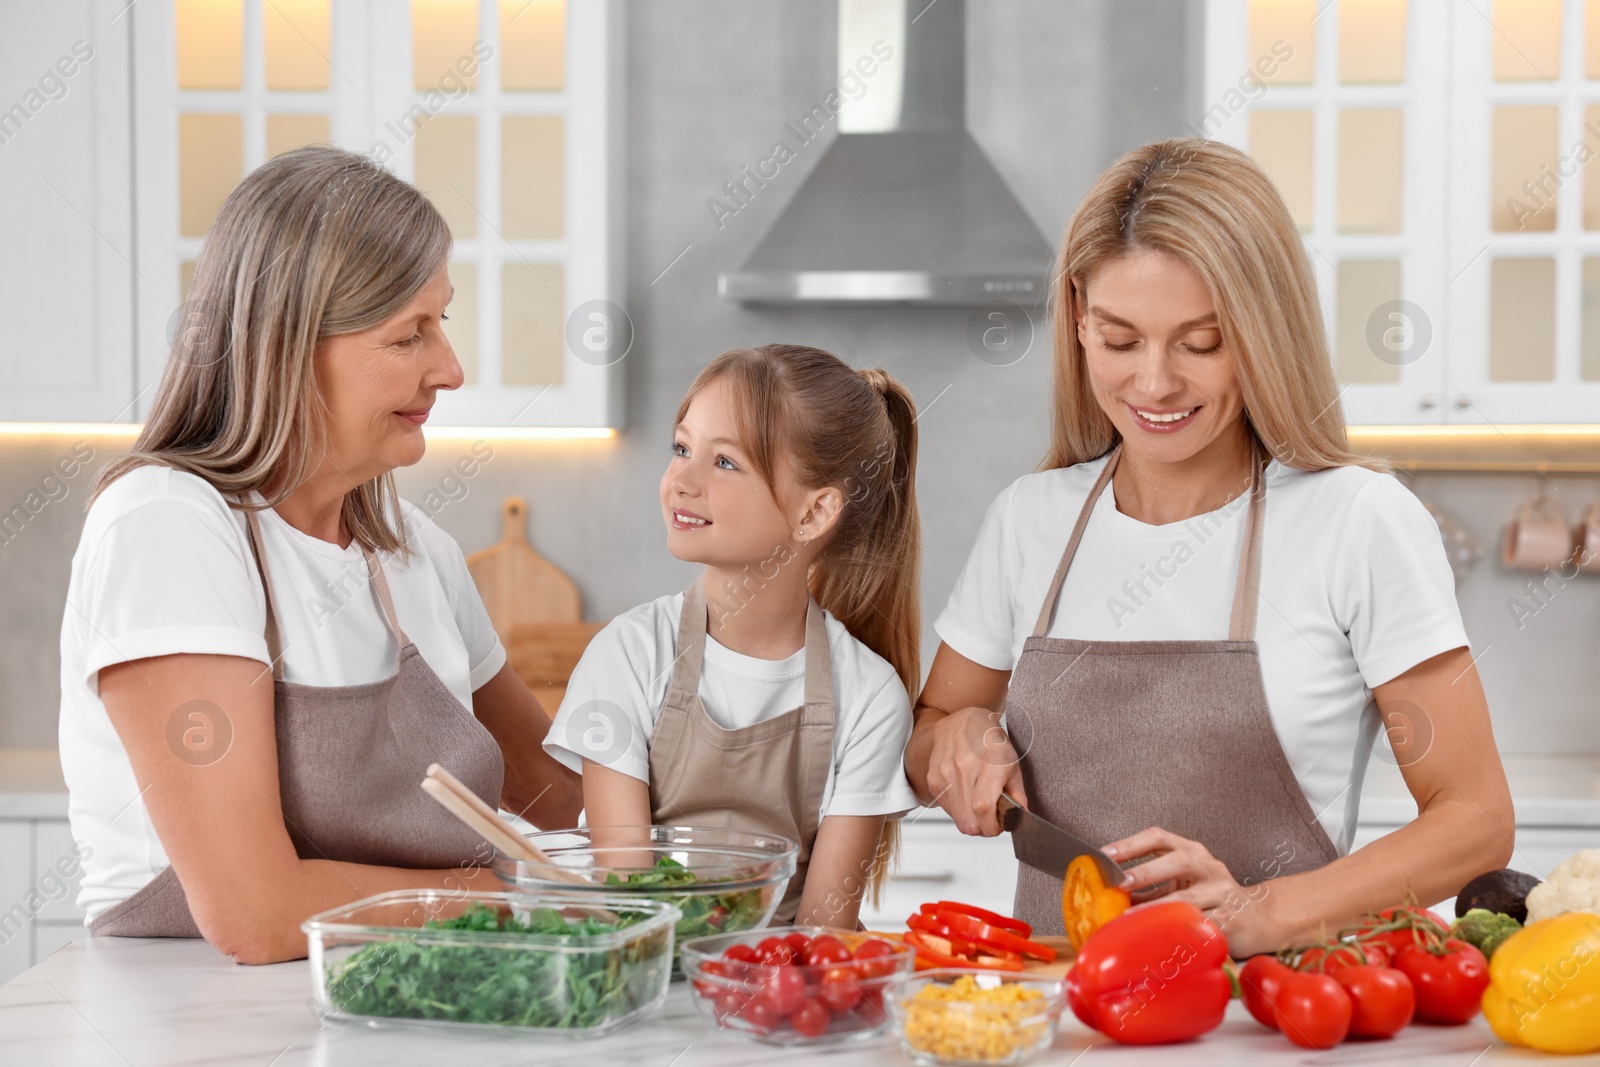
(1181, 869)
(970, 764)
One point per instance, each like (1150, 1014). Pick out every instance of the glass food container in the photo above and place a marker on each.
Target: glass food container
(978, 1018)
(547, 963)
(756, 999)
(722, 881)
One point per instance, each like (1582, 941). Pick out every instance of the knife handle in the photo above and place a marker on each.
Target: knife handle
(1005, 806)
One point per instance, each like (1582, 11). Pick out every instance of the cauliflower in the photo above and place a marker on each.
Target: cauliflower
(1573, 886)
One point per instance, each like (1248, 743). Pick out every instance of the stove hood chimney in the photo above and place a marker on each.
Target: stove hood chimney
(904, 207)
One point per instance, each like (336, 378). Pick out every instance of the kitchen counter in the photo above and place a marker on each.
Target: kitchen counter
(111, 1000)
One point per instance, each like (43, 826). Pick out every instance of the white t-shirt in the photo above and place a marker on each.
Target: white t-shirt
(1355, 590)
(616, 693)
(164, 567)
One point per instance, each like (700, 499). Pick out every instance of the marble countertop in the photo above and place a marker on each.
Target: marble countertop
(31, 786)
(114, 1000)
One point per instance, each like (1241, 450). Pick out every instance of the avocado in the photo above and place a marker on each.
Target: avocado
(1503, 891)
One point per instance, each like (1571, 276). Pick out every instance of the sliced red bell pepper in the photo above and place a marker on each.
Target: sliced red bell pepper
(1005, 922)
(934, 951)
(959, 946)
(993, 938)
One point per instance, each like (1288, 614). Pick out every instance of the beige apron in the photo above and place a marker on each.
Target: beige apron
(1117, 736)
(767, 778)
(350, 759)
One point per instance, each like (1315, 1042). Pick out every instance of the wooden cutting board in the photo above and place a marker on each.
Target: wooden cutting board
(1063, 960)
(517, 584)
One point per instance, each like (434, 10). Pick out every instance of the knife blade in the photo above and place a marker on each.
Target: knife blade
(1046, 847)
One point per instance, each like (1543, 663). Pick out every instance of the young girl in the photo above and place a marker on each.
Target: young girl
(774, 695)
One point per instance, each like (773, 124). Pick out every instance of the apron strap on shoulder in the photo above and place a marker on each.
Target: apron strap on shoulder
(1247, 591)
(1048, 609)
(258, 549)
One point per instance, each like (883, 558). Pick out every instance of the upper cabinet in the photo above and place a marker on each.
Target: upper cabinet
(67, 279)
(506, 113)
(1434, 155)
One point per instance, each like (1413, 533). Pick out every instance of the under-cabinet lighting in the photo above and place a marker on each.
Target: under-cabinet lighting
(433, 433)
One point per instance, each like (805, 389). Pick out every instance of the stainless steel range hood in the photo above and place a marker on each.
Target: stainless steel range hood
(904, 207)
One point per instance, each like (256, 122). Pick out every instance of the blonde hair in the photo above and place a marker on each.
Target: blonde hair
(806, 411)
(1212, 207)
(312, 244)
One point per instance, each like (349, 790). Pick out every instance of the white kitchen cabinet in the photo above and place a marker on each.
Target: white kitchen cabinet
(938, 862)
(38, 906)
(506, 114)
(1435, 157)
(66, 233)
(16, 874)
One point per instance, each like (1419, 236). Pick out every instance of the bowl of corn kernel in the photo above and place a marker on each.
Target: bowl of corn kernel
(960, 1017)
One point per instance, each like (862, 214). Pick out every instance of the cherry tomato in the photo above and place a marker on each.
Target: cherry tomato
(871, 1006)
(784, 990)
(728, 1003)
(775, 950)
(875, 958)
(1312, 1010)
(840, 991)
(1382, 999)
(1260, 981)
(810, 1019)
(708, 986)
(800, 943)
(716, 916)
(1450, 985)
(758, 1016)
(826, 951)
(741, 953)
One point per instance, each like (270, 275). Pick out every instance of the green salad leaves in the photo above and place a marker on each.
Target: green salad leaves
(562, 988)
(703, 913)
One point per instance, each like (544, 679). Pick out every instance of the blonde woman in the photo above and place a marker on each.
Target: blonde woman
(1198, 613)
(264, 648)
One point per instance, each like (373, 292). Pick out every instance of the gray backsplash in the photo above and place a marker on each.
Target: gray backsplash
(711, 83)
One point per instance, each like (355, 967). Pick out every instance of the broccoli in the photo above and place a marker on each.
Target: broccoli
(1484, 929)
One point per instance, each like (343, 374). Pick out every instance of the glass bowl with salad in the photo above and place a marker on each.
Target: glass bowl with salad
(721, 880)
(795, 985)
(575, 965)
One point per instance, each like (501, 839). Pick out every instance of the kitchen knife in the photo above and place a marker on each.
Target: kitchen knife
(1045, 846)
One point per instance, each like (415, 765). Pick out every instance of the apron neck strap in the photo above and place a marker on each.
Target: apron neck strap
(1242, 622)
(274, 635)
(819, 658)
(691, 640)
(692, 648)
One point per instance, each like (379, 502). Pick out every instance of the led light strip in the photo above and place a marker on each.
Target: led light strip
(433, 433)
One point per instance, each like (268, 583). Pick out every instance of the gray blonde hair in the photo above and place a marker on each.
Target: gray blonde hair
(1212, 207)
(312, 244)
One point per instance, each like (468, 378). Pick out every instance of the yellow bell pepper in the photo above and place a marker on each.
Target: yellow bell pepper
(1087, 902)
(1544, 985)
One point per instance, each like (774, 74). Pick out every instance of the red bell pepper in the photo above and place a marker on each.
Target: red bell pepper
(1005, 922)
(993, 938)
(1152, 976)
(934, 951)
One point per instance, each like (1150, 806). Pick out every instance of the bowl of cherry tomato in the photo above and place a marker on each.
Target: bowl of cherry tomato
(794, 985)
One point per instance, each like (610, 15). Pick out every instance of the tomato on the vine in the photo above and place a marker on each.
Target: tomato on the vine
(1449, 982)
(1382, 999)
(1312, 1010)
